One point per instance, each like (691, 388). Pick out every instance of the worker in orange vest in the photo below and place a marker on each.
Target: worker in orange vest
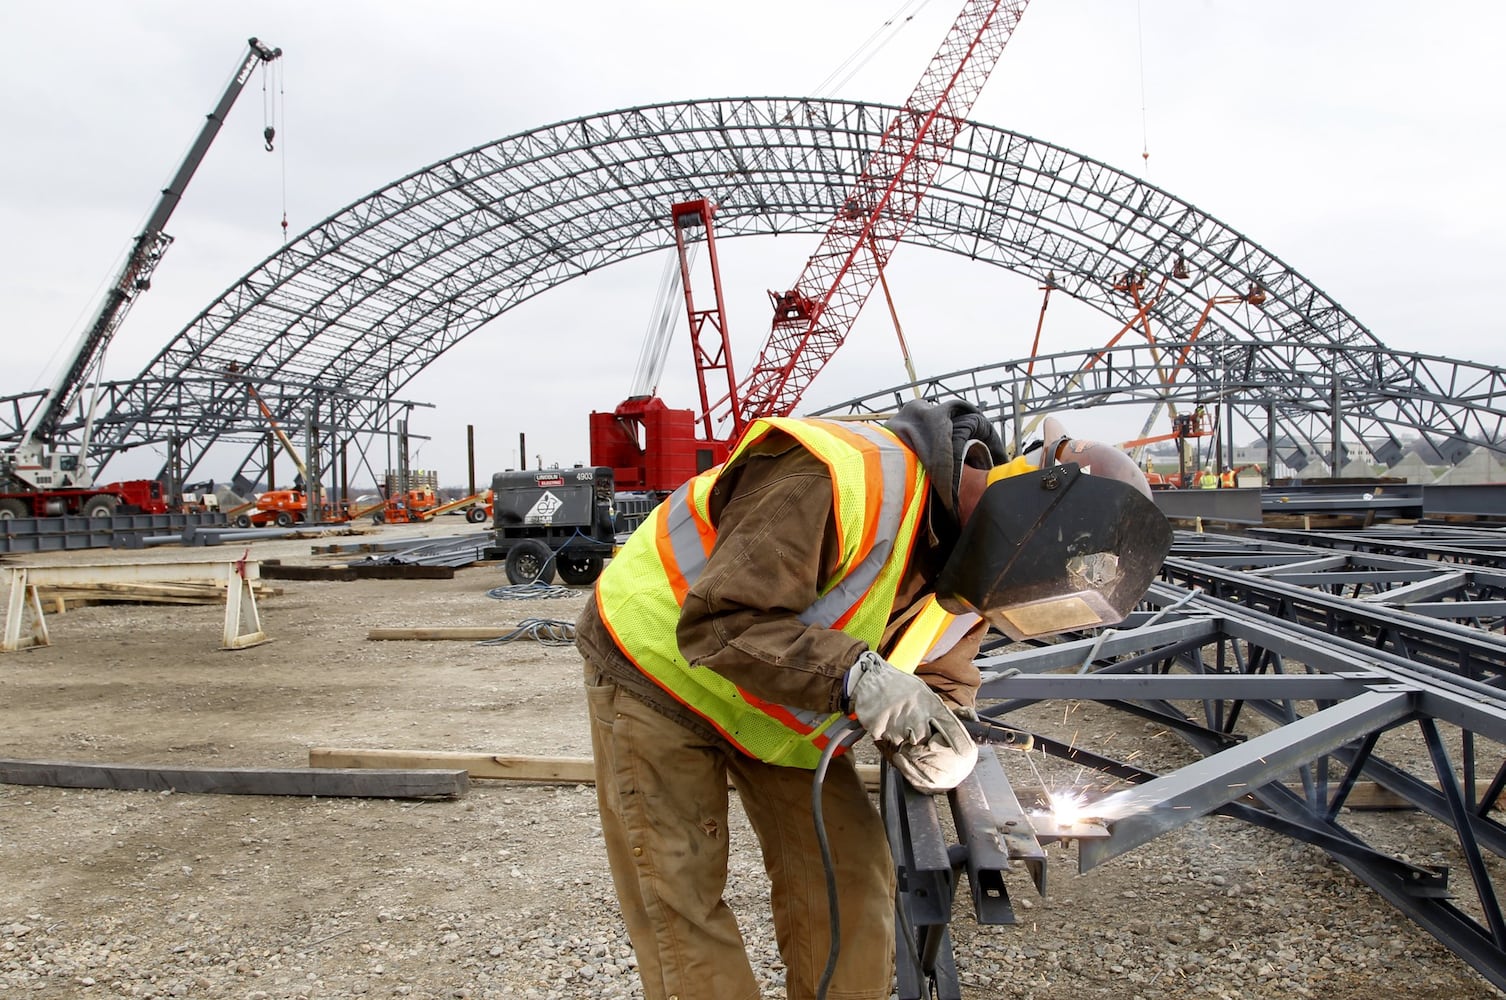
(1228, 480)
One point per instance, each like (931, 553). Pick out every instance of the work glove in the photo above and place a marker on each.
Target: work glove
(940, 764)
(926, 743)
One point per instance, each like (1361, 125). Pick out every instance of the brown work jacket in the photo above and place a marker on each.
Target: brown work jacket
(776, 544)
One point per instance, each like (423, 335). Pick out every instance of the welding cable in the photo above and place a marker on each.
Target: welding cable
(844, 733)
(544, 631)
(537, 590)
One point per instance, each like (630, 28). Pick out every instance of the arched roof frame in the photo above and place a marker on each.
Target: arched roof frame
(1281, 391)
(348, 313)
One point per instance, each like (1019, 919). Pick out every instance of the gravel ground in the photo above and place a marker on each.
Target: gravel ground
(505, 892)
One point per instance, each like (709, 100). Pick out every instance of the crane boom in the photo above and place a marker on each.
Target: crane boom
(812, 318)
(135, 275)
(282, 437)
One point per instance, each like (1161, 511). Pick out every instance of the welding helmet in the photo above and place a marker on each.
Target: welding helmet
(1071, 542)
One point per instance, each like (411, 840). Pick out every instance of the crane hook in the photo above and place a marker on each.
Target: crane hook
(268, 134)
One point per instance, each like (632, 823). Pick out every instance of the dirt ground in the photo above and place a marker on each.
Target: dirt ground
(505, 892)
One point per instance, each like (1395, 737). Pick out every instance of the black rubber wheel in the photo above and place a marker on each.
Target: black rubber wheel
(284, 519)
(100, 506)
(379, 518)
(243, 521)
(11, 508)
(578, 571)
(476, 515)
(530, 560)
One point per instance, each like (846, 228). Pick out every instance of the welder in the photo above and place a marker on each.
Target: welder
(767, 602)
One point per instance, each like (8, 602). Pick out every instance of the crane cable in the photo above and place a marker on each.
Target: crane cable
(273, 100)
(661, 325)
(857, 59)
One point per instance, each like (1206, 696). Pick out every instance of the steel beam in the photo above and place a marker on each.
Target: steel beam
(1139, 814)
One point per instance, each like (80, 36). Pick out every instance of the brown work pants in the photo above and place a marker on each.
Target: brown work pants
(662, 790)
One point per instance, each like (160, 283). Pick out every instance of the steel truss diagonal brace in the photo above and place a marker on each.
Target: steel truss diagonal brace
(1138, 815)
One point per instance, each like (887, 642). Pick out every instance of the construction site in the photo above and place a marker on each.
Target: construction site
(291, 712)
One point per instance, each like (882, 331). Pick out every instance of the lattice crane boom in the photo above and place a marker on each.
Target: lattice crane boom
(32, 462)
(812, 318)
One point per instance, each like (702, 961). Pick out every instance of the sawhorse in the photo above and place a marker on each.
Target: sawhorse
(26, 625)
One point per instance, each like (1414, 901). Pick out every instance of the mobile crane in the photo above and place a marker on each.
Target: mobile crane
(39, 478)
(654, 448)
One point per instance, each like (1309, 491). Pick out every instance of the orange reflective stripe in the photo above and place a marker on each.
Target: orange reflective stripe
(662, 544)
(873, 472)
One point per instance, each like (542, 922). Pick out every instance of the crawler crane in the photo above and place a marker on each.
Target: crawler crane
(654, 448)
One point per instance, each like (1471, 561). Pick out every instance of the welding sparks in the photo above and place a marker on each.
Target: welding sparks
(1067, 807)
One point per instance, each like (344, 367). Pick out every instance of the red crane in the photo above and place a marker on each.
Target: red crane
(812, 318)
(653, 447)
(648, 445)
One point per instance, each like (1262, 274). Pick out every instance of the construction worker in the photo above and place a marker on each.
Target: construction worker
(1208, 480)
(754, 611)
(1227, 480)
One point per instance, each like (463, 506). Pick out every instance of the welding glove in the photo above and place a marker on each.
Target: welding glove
(939, 764)
(927, 743)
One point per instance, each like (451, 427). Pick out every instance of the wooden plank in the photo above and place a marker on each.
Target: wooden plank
(187, 571)
(387, 783)
(1366, 795)
(510, 767)
(556, 770)
(462, 633)
(206, 593)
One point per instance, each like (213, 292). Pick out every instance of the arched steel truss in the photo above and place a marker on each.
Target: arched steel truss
(1288, 393)
(354, 308)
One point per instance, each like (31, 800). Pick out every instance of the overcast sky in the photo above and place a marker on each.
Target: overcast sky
(1360, 142)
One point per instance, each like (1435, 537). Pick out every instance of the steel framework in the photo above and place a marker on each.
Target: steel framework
(1314, 403)
(359, 304)
(1295, 675)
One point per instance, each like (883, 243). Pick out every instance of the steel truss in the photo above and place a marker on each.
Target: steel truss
(1464, 544)
(1301, 677)
(1300, 396)
(327, 423)
(366, 299)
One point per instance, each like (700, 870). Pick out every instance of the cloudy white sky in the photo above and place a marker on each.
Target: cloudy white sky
(1361, 143)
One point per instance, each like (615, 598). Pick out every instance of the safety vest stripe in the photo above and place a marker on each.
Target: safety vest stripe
(879, 463)
(887, 579)
(930, 633)
(872, 470)
(919, 636)
(839, 603)
(684, 535)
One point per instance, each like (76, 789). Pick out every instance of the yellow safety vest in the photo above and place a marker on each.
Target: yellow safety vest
(878, 494)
